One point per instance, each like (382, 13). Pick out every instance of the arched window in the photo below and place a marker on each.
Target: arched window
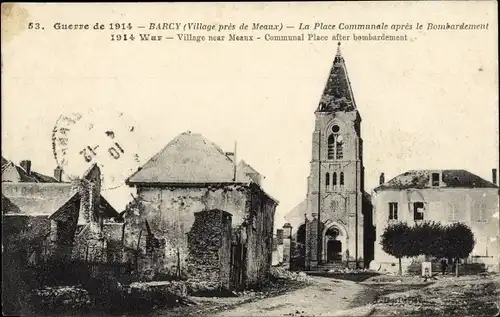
(335, 147)
(331, 147)
(334, 179)
(327, 180)
(339, 148)
(341, 178)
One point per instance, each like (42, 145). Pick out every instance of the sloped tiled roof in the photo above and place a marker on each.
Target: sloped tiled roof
(188, 158)
(247, 168)
(295, 217)
(4, 161)
(43, 178)
(419, 179)
(245, 171)
(36, 198)
(337, 95)
(367, 197)
(14, 173)
(107, 209)
(8, 206)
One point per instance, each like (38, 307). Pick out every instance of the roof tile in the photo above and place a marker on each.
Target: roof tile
(188, 158)
(419, 179)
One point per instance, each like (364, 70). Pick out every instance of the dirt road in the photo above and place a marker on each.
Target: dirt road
(323, 297)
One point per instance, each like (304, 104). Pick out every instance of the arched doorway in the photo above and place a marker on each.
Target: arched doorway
(335, 242)
(333, 245)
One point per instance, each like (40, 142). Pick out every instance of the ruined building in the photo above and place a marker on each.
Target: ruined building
(199, 213)
(334, 223)
(44, 218)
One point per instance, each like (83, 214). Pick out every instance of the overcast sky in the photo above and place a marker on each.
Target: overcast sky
(428, 103)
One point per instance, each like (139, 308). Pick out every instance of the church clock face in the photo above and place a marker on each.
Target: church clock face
(335, 129)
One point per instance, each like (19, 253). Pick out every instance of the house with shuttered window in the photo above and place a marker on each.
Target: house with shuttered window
(445, 196)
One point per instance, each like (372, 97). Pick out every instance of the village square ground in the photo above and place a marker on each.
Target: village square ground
(337, 294)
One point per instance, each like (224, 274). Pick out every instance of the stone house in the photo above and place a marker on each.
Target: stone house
(191, 175)
(45, 218)
(444, 196)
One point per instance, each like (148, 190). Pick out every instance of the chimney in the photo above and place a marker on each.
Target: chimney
(230, 155)
(26, 165)
(382, 179)
(494, 175)
(58, 174)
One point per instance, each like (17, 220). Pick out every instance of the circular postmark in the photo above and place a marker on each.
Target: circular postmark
(105, 137)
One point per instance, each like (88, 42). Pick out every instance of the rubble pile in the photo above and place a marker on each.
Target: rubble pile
(445, 297)
(279, 272)
(172, 287)
(348, 270)
(62, 298)
(199, 286)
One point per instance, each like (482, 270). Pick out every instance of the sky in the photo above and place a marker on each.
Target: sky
(427, 103)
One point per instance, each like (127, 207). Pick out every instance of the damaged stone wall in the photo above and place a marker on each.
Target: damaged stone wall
(209, 247)
(62, 238)
(89, 188)
(170, 214)
(89, 242)
(88, 247)
(113, 235)
(260, 217)
(25, 237)
(38, 238)
(141, 248)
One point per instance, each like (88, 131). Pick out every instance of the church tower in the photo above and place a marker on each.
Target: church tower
(335, 197)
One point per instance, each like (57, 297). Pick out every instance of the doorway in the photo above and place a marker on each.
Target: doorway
(334, 251)
(333, 245)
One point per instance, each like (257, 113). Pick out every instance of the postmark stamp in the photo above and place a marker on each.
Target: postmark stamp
(106, 137)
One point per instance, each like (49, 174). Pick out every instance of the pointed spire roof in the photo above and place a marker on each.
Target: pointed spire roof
(337, 95)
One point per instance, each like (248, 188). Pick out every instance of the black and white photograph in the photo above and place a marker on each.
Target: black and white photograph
(250, 159)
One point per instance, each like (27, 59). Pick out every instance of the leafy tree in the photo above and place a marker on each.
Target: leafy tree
(428, 239)
(397, 240)
(459, 242)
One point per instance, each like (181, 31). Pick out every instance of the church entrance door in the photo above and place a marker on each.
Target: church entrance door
(334, 251)
(333, 245)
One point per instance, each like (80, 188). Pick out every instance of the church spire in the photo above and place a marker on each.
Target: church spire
(339, 53)
(337, 95)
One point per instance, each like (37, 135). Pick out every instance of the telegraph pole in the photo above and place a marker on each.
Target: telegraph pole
(234, 161)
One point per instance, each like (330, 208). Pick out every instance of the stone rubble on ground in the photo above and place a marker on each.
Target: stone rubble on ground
(348, 270)
(279, 272)
(450, 296)
(297, 313)
(175, 287)
(67, 296)
(355, 312)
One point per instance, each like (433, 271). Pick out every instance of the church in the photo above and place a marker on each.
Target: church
(334, 224)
